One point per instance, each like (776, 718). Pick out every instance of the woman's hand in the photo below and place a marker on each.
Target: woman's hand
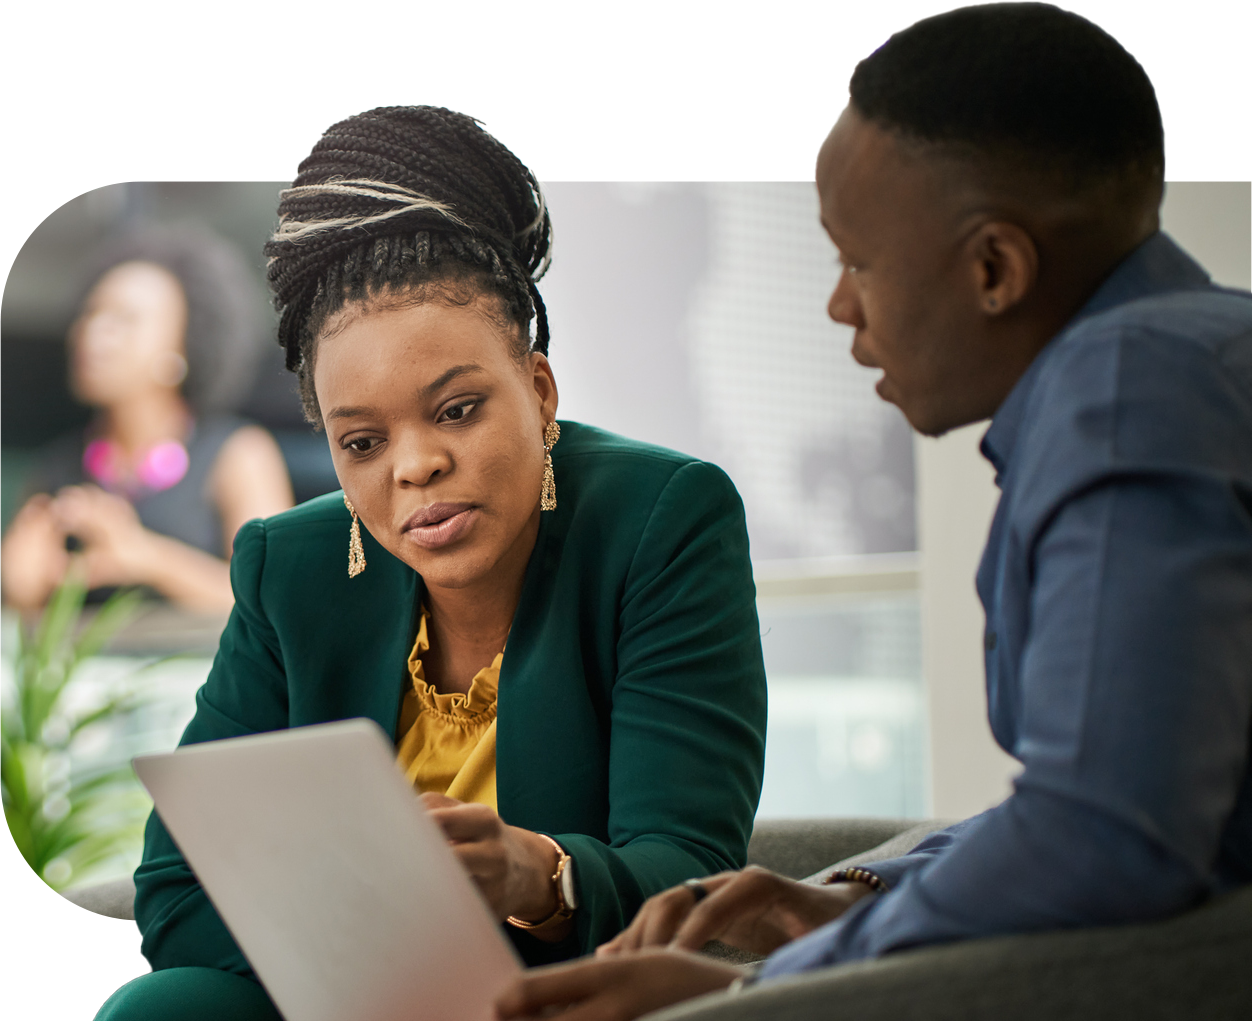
(116, 547)
(615, 988)
(754, 910)
(119, 550)
(513, 867)
(33, 554)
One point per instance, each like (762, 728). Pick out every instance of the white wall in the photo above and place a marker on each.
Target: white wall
(955, 500)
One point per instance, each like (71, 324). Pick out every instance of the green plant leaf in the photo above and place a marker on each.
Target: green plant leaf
(12, 776)
(60, 615)
(115, 706)
(116, 612)
(105, 807)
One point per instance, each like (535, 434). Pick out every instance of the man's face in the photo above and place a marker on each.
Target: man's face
(904, 286)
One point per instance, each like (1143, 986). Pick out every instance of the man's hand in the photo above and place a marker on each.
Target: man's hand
(614, 988)
(754, 910)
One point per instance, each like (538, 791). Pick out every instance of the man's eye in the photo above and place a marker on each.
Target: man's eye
(458, 412)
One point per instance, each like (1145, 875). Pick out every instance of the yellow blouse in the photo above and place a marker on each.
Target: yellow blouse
(449, 741)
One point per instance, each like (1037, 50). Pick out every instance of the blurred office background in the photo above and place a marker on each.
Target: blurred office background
(689, 315)
(693, 316)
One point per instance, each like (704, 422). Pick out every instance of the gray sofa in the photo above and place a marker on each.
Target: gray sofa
(1197, 966)
(795, 848)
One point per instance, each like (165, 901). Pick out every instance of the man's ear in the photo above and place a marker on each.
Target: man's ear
(1005, 264)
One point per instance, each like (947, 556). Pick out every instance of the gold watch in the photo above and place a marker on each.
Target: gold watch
(563, 887)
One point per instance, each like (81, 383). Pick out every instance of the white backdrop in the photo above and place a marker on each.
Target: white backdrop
(646, 91)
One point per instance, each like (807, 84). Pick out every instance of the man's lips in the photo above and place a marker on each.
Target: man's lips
(439, 524)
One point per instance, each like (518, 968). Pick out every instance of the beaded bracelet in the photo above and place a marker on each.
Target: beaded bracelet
(855, 875)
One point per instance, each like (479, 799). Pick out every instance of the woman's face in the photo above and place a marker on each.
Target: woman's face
(128, 338)
(436, 431)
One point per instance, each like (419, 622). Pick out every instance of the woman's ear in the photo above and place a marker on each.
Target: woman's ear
(544, 383)
(1005, 264)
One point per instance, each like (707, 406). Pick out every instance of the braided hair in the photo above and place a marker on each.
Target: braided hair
(414, 199)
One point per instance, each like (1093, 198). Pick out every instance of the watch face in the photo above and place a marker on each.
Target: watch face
(567, 885)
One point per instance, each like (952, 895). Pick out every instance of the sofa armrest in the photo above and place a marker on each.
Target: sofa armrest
(1192, 966)
(797, 848)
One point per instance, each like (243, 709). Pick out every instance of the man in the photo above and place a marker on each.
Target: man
(993, 190)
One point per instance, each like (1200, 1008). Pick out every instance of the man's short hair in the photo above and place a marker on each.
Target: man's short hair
(1026, 84)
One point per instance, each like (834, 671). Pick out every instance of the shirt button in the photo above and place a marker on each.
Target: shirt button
(990, 641)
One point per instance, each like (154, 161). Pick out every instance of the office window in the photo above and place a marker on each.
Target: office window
(694, 316)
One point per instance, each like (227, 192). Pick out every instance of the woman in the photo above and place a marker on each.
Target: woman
(162, 348)
(558, 625)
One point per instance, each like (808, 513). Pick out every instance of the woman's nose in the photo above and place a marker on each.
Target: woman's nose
(419, 460)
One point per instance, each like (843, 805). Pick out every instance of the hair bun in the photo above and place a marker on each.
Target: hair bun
(465, 176)
(396, 196)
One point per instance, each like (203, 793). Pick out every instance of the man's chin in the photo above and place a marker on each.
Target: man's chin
(933, 424)
(923, 420)
(888, 393)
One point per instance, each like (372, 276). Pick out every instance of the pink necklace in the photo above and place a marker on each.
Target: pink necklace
(159, 467)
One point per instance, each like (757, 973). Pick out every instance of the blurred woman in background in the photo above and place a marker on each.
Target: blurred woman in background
(164, 346)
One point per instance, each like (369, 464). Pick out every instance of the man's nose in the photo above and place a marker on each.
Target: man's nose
(845, 304)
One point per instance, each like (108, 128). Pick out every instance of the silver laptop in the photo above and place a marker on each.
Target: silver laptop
(340, 890)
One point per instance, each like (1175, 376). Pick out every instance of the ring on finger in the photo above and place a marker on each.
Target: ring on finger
(697, 888)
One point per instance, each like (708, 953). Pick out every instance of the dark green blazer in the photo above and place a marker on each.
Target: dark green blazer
(631, 719)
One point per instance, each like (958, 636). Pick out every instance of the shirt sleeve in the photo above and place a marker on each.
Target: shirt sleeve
(892, 871)
(1136, 703)
(245, 693)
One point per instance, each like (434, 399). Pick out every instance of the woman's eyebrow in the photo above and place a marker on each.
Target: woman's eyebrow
(354, 411)
(448, 377)
(348, 412)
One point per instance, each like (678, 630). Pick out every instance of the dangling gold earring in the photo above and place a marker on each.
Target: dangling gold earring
(547, 495)
(356, 552)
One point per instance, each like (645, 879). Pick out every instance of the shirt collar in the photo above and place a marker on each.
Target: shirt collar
(1156, 265)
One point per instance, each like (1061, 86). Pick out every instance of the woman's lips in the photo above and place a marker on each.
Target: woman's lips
(440, 524)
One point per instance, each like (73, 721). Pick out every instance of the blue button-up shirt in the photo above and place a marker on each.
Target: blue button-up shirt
(1117, 583)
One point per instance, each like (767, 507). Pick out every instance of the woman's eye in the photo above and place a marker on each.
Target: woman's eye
(458, 412)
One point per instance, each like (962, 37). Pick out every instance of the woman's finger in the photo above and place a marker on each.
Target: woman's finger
(467, 822)
(433, 799)
(485, 859)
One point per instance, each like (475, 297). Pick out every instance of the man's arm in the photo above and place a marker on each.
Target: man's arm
(1136, 700)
